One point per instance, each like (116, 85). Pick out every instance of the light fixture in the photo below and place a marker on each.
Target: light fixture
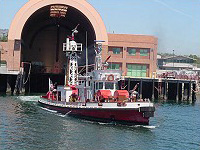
(58, 11)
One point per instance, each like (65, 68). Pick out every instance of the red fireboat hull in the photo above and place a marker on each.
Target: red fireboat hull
(121, 116)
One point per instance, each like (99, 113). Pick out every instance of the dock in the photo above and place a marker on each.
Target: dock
(166, 89)
(150, 88)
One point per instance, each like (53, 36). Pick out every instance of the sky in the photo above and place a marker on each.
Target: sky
(176, 23)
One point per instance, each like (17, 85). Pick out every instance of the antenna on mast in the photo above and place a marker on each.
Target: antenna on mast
(72, 49)
(74, 31)
(98, 51)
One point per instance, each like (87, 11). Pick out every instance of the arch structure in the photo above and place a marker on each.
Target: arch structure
(32, 6)
(41, 38)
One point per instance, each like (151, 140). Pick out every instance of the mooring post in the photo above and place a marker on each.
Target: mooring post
(153, 84)
(3, 83)
(190, 91)
(165, 89)
(177, 91)
(159, 88)
(194, 91)
(182, 92)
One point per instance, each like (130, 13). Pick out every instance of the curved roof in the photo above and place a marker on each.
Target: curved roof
(15, 31)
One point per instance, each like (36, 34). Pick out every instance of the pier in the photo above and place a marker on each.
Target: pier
(166, 89)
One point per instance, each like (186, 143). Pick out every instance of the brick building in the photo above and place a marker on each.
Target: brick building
(134, 54)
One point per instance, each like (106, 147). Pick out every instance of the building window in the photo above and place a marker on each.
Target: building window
(116, 50)
(136, 70)
(143, 52)
(132, 51)
(3, 62)
(113, 66)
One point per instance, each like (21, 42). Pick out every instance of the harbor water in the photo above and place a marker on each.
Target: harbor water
(24, 125)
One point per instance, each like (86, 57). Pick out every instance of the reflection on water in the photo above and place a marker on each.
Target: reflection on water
(25, 125)
(175, 102)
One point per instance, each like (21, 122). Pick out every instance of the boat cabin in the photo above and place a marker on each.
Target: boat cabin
(101, 83)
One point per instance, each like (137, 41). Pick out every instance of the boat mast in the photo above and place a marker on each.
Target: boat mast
(72, 48)
(86, 51)
(98, 51)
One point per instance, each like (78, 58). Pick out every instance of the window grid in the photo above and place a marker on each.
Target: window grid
(113, 66)
(116, 50)
(136, 70)
(132, 51)
(143, 52)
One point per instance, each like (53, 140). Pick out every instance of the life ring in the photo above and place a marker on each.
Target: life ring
(110, 77)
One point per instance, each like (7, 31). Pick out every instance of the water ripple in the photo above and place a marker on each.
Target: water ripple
(25, 125)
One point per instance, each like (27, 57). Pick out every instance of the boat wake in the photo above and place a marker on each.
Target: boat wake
(116, 124)
(103, 123)
(29, 98)
(145, 126)
(61, 115)
(54, 112)
(49, 110)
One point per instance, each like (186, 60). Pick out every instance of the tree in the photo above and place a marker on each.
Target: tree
(197, 59)
(4, 38)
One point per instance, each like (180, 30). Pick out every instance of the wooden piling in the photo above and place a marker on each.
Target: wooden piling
(159, 88)
(153, 87)
(165, 89)
(194, 92)
(183, 92)
(190, 91)
(3, 83)
(177, 91)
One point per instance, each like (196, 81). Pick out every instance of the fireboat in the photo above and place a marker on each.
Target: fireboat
(96, 96)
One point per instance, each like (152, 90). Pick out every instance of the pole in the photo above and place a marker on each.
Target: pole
(141, 88)
(57, 43)
(86, 59)
(0, 54)
(173, 59)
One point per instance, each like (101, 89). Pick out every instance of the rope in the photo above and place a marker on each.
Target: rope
(28, 74)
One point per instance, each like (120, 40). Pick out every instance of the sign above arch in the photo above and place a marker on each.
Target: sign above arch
(32, 6)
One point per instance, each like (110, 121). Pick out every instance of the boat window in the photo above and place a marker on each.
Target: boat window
(97, 86)
(100, 85)
(116, 86)
(109, 85)
(91, 85)
(59, 96)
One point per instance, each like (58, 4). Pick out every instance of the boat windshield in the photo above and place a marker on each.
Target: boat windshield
(99, 85)
(116, 86)
(109, 85)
